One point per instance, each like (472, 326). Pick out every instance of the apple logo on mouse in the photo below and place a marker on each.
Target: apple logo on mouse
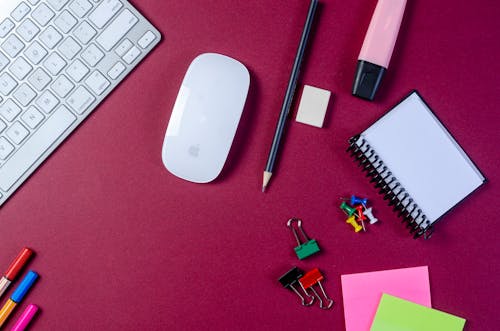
(207, 111)
(194, 150)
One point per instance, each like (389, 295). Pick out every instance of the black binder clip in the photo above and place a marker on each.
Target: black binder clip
(291, 279)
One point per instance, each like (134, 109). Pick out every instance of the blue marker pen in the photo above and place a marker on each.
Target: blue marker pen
(18, 295)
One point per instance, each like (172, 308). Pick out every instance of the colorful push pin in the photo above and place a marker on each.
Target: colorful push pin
(368, 213)
(17, 296)
(347, 209)
(14, 269)
(311, 278)
(361, 216)
(290, 280)
(355, 200)
(306, 249)
(352, 220)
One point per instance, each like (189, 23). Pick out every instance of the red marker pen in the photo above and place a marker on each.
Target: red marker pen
(14, 269)
(377, 48)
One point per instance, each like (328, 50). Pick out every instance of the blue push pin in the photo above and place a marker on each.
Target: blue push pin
(355, 200)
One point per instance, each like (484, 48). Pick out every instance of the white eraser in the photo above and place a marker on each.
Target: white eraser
(313, 105)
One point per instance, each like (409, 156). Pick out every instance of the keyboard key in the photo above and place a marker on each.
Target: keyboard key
(117, 29)
(5, 148)
(69, 48)
(123, 47)
(2, 126)
(7, 83)
(17, 133)
(21, 10)
(84, 32)
(5, 27)
(50, 37)
(47, 102)
(40, 79)
(32, 117)
(104, 12)
(77, 70)
(30, 152)
(62, 86)
(4, 61)
(35, 52)
(24, 95)
(92, 55)
(131, 55)
(12, 45)
(54, 63)
(65, 22)
(146, 39)
(57, 4)
(80, 7)
(97, 82)
(43, 14)
(9, 110)
(28, 30)
(20, 68)
(80, 100)
(116, 70)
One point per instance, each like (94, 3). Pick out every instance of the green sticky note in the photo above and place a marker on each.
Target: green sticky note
(394, 314)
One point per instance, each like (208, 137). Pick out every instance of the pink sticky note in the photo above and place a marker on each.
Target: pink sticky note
(362, 292)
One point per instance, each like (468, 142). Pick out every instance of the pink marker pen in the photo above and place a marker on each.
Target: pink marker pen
(377, 48)
(25, 319)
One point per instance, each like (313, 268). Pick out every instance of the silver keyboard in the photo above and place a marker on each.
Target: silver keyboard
(58, 60)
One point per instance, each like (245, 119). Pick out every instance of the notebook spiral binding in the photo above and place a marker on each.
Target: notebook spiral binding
(388, 185)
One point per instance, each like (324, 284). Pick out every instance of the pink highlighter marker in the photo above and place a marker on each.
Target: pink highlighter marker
(377, 48)
(25, 318)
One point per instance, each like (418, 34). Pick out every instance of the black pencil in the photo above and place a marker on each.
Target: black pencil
(287, 102)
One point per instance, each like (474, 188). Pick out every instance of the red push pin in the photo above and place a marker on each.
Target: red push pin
(361, 216)
(311, 278)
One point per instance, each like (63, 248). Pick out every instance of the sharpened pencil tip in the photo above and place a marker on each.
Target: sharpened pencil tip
(263, 189)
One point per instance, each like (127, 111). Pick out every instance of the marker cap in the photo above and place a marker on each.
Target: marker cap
(16, 265)
(24, 287)
(367, 80)
(25, 318)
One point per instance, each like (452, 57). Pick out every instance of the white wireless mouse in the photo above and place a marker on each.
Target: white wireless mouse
(205, 117)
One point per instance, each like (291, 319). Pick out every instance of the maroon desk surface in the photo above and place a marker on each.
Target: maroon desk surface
(124, 245)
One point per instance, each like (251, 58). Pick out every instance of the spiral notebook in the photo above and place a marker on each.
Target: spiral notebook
(416, 163)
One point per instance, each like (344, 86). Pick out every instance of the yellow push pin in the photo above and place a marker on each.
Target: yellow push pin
(352, 220)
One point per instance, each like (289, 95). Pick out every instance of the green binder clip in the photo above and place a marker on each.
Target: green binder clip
(306, 249)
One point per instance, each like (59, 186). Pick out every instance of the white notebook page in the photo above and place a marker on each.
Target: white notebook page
(423, 156)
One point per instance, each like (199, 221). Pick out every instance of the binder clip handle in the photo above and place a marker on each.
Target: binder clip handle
(290, 279)
(306, 248)
(312, 278)
(299, 226)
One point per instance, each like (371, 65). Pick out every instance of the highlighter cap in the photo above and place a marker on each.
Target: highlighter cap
(24, 287)
(367, 80)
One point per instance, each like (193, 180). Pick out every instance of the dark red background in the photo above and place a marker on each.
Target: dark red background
(124, 245)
